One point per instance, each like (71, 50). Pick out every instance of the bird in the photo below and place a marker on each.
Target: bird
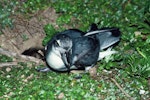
(55, 50)
(73, 49)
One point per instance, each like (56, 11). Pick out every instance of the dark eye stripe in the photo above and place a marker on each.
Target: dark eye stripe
(56, 43)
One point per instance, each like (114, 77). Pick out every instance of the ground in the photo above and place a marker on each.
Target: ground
(27, 32)
(116, 79)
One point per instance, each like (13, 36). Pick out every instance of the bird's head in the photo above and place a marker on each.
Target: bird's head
(63, 43)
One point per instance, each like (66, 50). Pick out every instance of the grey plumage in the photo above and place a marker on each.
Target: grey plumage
(74, 49)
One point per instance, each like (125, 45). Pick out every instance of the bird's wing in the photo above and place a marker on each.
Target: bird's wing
(107, 36)
(97, 32)
(85, 51)
(80, 48)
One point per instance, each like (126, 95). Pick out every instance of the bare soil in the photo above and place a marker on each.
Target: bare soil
(27, 33)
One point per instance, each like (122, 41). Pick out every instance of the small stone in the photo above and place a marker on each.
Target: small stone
(61, 95)
(93, 72)
(8, 69)
(142, 91)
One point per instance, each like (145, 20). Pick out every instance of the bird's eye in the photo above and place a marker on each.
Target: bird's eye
(56, 43)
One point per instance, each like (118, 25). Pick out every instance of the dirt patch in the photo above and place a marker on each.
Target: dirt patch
(27, 33)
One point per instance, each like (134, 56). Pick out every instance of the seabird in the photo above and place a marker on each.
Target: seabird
(73, 49)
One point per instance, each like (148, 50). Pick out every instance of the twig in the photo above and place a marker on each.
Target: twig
(8, 64)
(117, 84)
(20, 57)
(28, 78)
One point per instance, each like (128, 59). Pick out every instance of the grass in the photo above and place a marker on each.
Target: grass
(29, 84)
(130, 67)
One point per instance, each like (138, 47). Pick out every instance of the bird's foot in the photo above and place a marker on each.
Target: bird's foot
(44, 69)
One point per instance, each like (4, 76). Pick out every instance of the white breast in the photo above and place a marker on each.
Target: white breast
(54, 60)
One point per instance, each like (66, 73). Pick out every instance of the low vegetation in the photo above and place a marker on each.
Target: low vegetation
(123, 76)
